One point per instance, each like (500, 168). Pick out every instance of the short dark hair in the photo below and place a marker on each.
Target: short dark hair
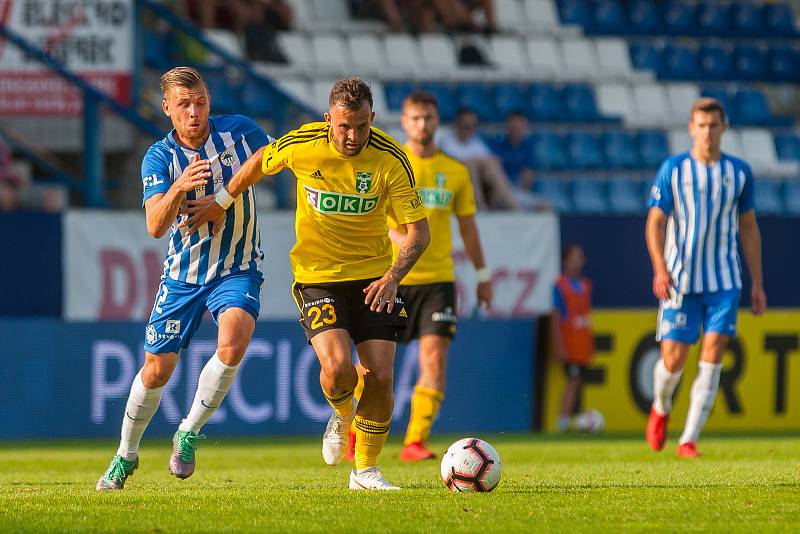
(350, 93)
(567, 248)
(707, 105)
(422, 98)
(516, 114)
(465, 111)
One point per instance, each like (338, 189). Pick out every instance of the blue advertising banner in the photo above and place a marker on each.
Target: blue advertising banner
(72, 379)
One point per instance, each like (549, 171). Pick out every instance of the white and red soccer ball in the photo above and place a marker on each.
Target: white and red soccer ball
(471, 464)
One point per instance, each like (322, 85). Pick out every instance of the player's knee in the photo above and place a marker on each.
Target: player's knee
(231, 353)
(337, 368)
(379, 380)
(155, 374)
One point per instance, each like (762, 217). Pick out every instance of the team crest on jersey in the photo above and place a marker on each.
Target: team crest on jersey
(228, 158)
(363, 182)
(151, 334)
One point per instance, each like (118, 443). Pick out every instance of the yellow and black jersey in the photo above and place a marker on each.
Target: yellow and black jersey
(342, 202)
(446, 189)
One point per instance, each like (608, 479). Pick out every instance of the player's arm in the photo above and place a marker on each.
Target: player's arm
(472, 244)
(161, 209)
(750, 236)
(655, 234)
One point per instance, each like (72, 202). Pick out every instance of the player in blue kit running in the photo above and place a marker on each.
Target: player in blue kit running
(213, 268)
(700, 201)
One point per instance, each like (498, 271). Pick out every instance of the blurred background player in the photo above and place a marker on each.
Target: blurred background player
(699, 200)
(214, 268)
(349, 175)
(572, 327)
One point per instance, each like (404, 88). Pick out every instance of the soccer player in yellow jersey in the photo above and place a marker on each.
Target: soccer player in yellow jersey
(349, 174)
(428, 290)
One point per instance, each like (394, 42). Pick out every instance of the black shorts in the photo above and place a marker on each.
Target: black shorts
(431, 310)
(325, 306)
(576, 370)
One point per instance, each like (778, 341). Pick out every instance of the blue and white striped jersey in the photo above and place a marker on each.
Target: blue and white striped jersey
(200, 258)
(703, 203)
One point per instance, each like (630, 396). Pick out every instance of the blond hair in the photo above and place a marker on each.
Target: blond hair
(181, 77)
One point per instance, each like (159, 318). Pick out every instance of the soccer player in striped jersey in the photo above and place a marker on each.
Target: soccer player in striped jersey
(349, 174)
(701, 201)
(214, 268)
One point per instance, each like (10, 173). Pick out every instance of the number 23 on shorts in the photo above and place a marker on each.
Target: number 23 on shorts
(321, 315)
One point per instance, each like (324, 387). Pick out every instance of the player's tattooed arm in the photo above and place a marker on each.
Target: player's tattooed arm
(409, 253)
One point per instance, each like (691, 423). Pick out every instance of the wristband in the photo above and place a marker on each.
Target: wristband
(484, 274)
(223, 198)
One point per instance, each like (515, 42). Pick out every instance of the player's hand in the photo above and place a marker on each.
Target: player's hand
(662, 282)
(201, 211)
(485, 293)
(758, 300)
(381, 292)
(195, 175)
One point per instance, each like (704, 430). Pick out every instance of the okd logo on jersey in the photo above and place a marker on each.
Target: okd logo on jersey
(435, 198)
(339, 203)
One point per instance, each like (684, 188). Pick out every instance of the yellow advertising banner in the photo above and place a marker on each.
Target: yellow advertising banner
(759, 385)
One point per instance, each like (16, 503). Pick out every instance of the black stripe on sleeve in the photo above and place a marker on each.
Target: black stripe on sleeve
(375, 143)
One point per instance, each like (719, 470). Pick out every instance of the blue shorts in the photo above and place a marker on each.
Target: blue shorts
(179, 307)
(680, 317)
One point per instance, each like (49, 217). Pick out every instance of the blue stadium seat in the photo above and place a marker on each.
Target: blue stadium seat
(784, 64)
(478, 98)
(577, 12)
(652, 147)
(624, 196)
(554, 189)
(620, 149)
(225, 97)
(680, 17)
(713, 19)
(257, 99)
(545, 103)
(644, 17)
(768, 197)
(579, 103)
(588, 196)
(753, 109)
(157, 50)
(779, 19)
(609, 18)
(647, 56)
(788, 146)
(747, 19)
(396, 92)
(715, 63)
(585, 150)
(750, 63)
(445, 94)
(509, 97)
(791, 196)
(548, 151)
(727, 101)
(681, 63)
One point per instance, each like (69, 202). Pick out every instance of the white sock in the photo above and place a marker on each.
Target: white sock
(142, 405)
(704, 391)
(664, 384)
(212, 386)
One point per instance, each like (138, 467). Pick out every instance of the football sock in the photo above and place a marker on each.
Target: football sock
(357, 394)
(142, 405)
(563, 424)
(370, 438)
(425, 405)
(664, 384)
(342, 404)
(212, 386)
(704, 391)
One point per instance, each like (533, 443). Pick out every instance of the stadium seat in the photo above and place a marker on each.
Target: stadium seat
(584, 150)
(227, 41)
(579, 104)
(652, 147)
(544, 103)
(753, 109)
(732, 143)
(680, 17)
(620, 149)
(580, 61)
(750, 63)
(478, 98)
(331, 55)
(438, 54)
(747, 19)
(791, 196)
(715, 63)
(610, 18)
(446, 96)
(303, 13)
(508, 55)
(645, 17)
(682, 97)
(615, 100)
(784, 64)
(680, 141)
(510, 97)
(548, 151)
(651, 103)
(713, 19)
(768, 196)
(403, 62)
(541, 15)
(297, 49)
(320, 90)
(370, 53)
(759, 151)
(647, 56)
(588, 196)
(396, 92)
(257, 101)
(727, 101)
(509, 15)
(680, 63)
(299, 90)
(577, 12)
(613, 58)
(226, 97)
(624, 196)
(380, 106)
(554, 189)
(787, 146)
(779, 19)
(545, 58)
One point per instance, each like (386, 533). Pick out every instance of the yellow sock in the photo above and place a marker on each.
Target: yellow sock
(425, 405)
(342, 404)
(357, 394)
(370, 438)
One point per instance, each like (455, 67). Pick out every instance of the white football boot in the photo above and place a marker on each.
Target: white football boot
(334, 440)
(370, 478)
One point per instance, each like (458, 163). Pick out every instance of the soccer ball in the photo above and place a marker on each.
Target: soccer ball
(471, 464)
(591, 421)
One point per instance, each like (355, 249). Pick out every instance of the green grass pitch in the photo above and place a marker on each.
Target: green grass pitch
(549, 484)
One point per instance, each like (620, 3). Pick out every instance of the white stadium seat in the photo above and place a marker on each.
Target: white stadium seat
(615, 99)
(509, 15)
(508, 54)
(732, 143)
(580, 60)
(545, 58)
(438, 54)
(613, 58)
(368, 54)
(404, 58)
(299, 89)
(296, 48)
(682, 97)
(330, 55)
(303, 13)
(320, 90)
(680, 141)
(541, 15)
(652, 108)
(758, 149)
(227, 41)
